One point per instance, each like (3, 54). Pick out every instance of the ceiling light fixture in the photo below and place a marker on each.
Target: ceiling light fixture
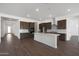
(37, 9)
(68, 10)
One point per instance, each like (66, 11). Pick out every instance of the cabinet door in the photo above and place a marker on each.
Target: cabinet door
(45, 25)
(24, 25)
(62, 37)
(61, 24)
(31, 25)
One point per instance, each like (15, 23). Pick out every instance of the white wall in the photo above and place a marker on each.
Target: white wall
(2, 27)
(16, 29)
(36, 27)
(72, 27)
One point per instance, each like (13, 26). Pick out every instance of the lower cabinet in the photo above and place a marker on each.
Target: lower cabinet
(26, 35)
(62, 37)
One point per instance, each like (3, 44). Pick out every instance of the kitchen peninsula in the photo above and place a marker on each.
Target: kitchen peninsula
(49, 39)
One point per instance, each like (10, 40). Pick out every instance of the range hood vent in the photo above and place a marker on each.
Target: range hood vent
(54, 21)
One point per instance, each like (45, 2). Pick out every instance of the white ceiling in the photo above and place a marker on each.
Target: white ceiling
(45, 9)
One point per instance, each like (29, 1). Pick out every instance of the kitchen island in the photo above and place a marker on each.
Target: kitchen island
(49, 39)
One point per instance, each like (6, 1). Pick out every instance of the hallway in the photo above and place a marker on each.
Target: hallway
(12, 46)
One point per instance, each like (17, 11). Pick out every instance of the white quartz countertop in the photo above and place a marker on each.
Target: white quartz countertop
(48, 34)
(24, 31)
(61, 31)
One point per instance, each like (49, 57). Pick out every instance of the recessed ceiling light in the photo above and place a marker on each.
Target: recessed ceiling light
(28, 15)
(37, 9)
(68, 10)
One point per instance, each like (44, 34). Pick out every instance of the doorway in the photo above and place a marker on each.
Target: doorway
(9, 29)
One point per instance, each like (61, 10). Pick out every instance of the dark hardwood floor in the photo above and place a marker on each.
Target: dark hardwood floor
(12, 46)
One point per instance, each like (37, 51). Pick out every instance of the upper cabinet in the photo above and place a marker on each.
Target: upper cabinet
(24, 25)
(27, 25)
(31, 25)
(45, 25)
(61, 24)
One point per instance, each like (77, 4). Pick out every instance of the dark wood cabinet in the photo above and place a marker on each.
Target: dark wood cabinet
(62, 37)
(45, 25)
(61, 24)
(26, 35)
(27, 25)
(24, 25)
(30, 27)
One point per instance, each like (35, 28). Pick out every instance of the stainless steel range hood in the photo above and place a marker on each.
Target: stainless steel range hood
(54, 26)
(54, 22)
